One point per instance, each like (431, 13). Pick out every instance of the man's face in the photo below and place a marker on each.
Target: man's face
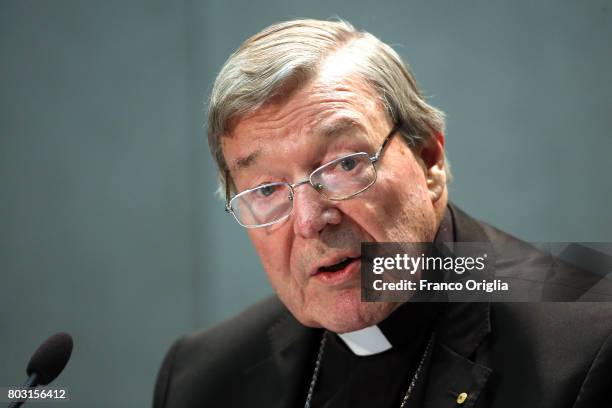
(334, 115)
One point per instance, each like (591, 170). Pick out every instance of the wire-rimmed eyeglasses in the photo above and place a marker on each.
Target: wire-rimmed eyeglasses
(337, 180)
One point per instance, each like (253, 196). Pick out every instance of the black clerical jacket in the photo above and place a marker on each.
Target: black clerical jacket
(545, 355)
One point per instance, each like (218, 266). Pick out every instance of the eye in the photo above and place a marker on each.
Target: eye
(267, 191)
(348, 163)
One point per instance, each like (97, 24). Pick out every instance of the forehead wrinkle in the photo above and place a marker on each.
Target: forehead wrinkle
(320, 126)
(338, 126)
(283, 119)
(273, 116)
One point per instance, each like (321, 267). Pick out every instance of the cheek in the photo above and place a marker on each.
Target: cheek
(397, 208)
(272, 254)
(273, 248)
(404, 192)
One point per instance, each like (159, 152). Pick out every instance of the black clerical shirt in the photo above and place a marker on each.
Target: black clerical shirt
(379, 380)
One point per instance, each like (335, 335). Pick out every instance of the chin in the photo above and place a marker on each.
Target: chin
(347, 313)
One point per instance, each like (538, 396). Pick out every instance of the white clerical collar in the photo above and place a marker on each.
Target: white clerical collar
(366, 342)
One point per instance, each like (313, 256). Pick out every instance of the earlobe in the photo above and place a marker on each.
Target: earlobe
(436, 181)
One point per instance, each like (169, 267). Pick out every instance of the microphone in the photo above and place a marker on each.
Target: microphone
(47, 362)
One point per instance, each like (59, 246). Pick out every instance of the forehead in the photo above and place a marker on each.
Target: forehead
(328, 105)
(312, 103)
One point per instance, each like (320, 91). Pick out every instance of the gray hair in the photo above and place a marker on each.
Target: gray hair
(281, 58)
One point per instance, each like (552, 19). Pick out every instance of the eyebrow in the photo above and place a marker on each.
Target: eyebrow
(243, 162)
(326, 129)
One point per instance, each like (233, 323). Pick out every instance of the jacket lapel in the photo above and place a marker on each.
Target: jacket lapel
(451, 375)
(281, 379)
(460, 331)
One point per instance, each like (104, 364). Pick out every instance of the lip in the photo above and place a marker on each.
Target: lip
(339, 276)
(332, 261)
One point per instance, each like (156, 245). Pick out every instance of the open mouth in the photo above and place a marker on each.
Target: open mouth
(337, 266)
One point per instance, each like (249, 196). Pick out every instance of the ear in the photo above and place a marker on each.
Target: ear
(431, 153)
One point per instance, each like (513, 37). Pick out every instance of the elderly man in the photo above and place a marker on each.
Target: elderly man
(323, 142)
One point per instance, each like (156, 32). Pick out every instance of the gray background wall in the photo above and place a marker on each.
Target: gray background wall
(108, 224)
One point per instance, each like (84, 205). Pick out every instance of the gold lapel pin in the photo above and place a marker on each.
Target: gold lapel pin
(462, 397)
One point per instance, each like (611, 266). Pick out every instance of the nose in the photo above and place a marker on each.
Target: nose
(312, 212)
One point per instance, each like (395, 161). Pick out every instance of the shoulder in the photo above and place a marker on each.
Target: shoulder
(555, 351)
(566, 325)
(554, 272)
(199, 364)
(245, 333)
(560, 351)
(469, 229)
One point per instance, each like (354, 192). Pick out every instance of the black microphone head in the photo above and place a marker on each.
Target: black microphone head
(50, 358)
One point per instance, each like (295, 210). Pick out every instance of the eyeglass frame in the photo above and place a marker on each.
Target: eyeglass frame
(373, 160)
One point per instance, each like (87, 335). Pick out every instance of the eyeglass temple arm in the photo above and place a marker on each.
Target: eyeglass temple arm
(395, 128)
(227, 192)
